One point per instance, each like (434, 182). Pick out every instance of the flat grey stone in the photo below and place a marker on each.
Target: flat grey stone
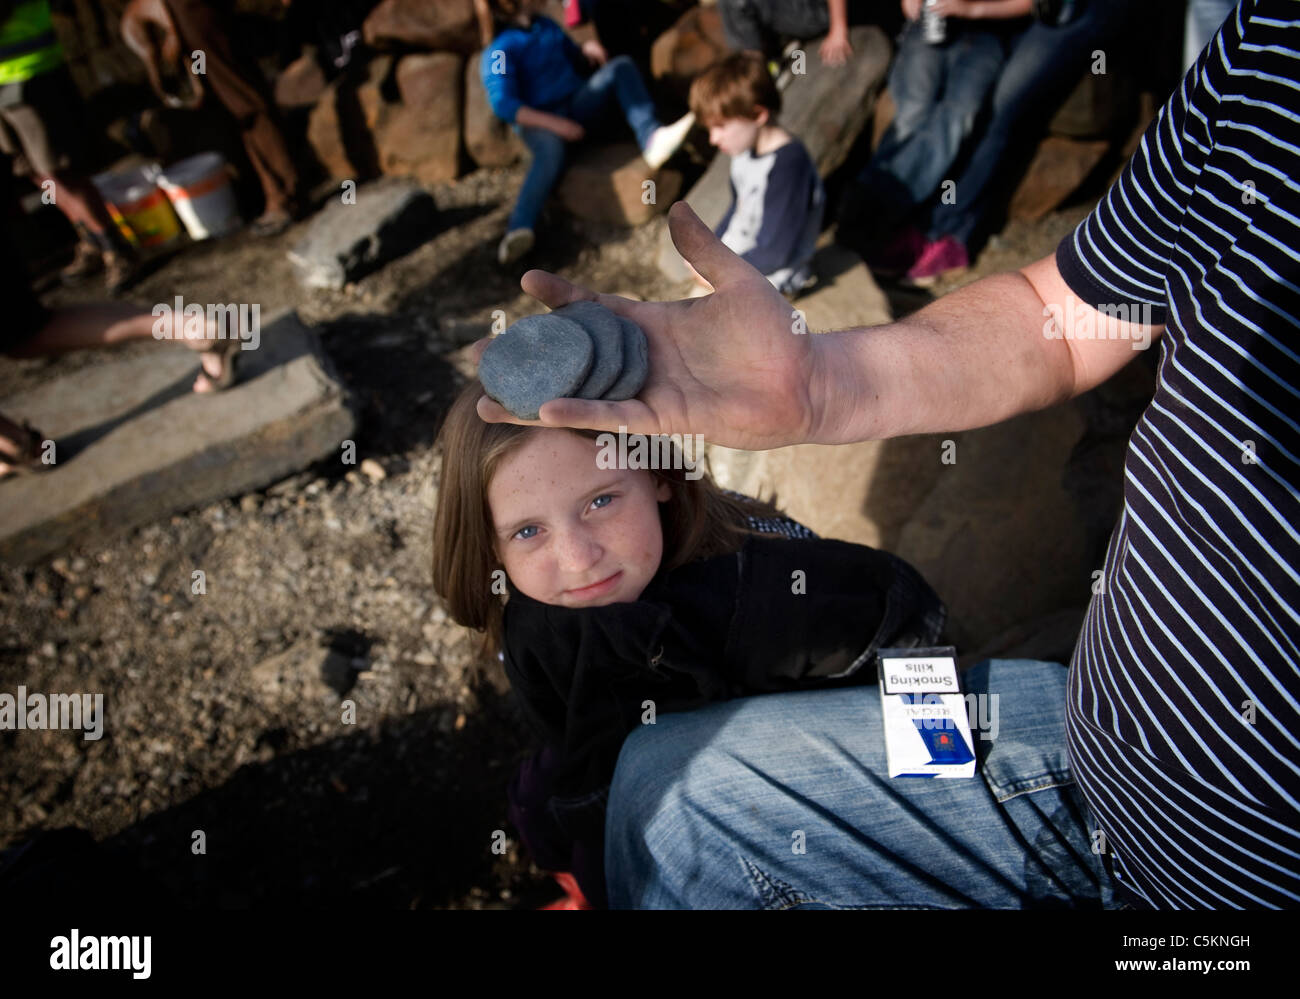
(636, 363)
(606, 332)
(535, 360)
(345, 242)
(134, 444)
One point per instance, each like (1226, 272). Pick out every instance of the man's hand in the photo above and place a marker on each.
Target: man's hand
(733, 366)
(595, 52)
(835, 48)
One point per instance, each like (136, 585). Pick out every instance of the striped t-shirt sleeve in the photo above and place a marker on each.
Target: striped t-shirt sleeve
(1120, 253)
(1183, 713)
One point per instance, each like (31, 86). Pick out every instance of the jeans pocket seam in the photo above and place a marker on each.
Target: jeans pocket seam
(1045, 783)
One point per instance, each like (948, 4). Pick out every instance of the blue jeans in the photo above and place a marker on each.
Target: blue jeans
(938, 91)
(707, 807)
(618, 80)
(1043, 64)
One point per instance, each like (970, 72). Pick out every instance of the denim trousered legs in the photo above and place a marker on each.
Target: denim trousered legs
(1043, 63)
(618, 79)
(938, 91)
(706, 808)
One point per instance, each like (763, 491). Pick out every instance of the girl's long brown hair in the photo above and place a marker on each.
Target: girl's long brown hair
(699, 519)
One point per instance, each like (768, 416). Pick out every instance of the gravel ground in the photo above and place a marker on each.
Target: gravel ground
(296, 805)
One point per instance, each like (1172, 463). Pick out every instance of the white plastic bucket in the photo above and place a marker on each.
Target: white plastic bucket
(200, 191)
(139, 208)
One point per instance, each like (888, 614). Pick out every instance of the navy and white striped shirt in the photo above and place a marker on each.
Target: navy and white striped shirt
(1183, 721)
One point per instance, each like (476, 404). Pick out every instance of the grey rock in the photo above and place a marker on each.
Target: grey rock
(345, 242)
(606, 332)
(537, 359)
(636, 363)
(135, 444)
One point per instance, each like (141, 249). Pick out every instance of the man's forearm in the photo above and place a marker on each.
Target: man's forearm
(974, 357)
(1000, 9)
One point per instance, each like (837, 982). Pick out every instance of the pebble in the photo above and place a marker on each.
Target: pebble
(565, 354)
(372, 470)
(606, 332)
(636, 363)
(537, 359)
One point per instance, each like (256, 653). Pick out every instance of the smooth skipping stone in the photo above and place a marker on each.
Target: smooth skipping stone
(539, 358)
(636, 363)
(606, 332)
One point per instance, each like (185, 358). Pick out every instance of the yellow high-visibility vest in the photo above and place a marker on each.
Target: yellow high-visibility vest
(28, 45)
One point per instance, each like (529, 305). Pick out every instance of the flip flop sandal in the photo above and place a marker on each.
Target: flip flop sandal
(29, 460)
(228, 351)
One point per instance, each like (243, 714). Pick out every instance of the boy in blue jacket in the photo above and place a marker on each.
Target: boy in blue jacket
(534, 77)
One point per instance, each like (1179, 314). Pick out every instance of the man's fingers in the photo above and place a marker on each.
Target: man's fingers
(597, 414)
(551, 289)
(476, 349)
(703, 250)
(579, 414)
(555, 292)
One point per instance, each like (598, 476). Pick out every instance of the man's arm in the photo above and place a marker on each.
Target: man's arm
(995, 10)
(977, 356)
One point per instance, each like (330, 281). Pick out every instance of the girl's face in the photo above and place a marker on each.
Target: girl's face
(570, 533)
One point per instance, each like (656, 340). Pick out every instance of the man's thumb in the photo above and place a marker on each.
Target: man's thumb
(702, 249)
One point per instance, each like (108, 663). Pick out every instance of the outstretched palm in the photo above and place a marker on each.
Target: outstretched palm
(732, 366)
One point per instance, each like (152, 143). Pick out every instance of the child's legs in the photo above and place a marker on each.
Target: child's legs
(548, 162)
(617, 79)
(1043, 63)
(920, 158)
(915, 83)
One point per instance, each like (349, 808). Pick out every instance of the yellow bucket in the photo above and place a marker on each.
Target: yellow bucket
(139, 206)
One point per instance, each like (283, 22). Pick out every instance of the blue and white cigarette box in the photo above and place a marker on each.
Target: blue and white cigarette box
(927, 731)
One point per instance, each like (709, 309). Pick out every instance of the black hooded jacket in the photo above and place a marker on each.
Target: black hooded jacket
(779, 614)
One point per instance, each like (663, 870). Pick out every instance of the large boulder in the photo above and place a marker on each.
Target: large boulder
(420, 137)
(448, 25)
(489, 141)
(341, 127)
(301, 83)
(610, 182)
(687, 49)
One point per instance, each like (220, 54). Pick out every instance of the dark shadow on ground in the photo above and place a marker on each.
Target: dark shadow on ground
(383, 817)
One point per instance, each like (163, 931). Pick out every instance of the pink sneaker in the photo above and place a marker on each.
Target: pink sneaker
(941, 257)
(899, 254)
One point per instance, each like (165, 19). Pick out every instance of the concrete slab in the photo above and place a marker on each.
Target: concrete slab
(134, 443)
(348, 240)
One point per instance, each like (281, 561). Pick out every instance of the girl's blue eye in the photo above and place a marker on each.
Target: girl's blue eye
(602, 496)
(533, 527)
(521, 530)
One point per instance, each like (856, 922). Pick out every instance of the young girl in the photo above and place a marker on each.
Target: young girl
(534, 77)
(633, 591)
